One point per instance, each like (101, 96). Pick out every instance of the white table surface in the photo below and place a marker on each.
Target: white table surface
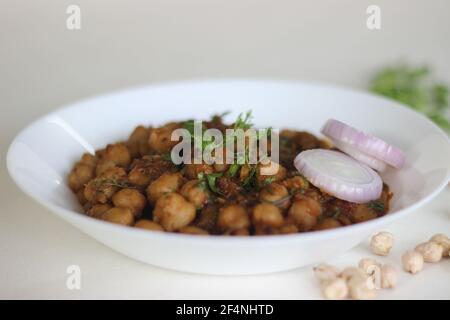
(43, 65)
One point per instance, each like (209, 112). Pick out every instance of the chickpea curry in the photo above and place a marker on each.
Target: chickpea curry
(135, 183)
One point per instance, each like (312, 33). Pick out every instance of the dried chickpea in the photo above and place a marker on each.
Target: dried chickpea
(233, 217)
(267, 214)
(195, 193)
(352, 272)
(325, 272)
(98, 210)
(431, 251)
(443, 241)
(389, 277)
(305, 212)
(168, 182)
(277, 194)
(368, 264)
(359, 288)
(122, 216)
(131, 199)
(382, 243)
(118, 153)
(334, 289)
(194, 230)
(173, 212)
(412, 262)
(148, 225)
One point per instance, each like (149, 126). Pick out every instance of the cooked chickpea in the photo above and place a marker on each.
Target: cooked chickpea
(193, 170)
(102, 188)
(194, 230)
(412, 262)
(325, 272)
(275, 193)
(288, 229)
(122, 216)
(233, 217)
(104, 165)
(239, 232)
(160, 138)
(80, 175)
(194, 192)
(382, 243)
(296, 183)
(327, 223)
(168, 182)
(305, 212)
(81, 198)
(267, 214)
(443, 241)
(98, 210)
(89, 160)
(118, 153)
(148, 225)
(173, 212)
(389, 277)
(131, 199)
(138, 142)
(431, 251)
(334, 289)
(271, 170)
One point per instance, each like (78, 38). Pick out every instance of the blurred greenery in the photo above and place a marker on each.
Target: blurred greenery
(415, 87)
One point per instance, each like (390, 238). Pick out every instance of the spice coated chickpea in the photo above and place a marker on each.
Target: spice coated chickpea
(167, 182)
(104, 165)
(148, 225)
(233, 217)
(271, 170)
(173, 212)
(80, 175)
(138, 142)
(88, 159)
(193, 170)
(194, 231)
(275, 193)
(131, 199)
(305, 212)
(160, 138)
(118, 153)
(327, 223)
(98, 210)
(102, 188)
(268, 215)
(195, 194)
(122, 216)
(296, 183)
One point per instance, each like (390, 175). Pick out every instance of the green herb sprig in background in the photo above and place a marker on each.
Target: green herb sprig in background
(415, 87)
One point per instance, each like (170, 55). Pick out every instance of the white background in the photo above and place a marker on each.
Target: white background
(43, 65)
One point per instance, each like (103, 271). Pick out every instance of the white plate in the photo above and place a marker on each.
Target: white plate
(41, 156)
